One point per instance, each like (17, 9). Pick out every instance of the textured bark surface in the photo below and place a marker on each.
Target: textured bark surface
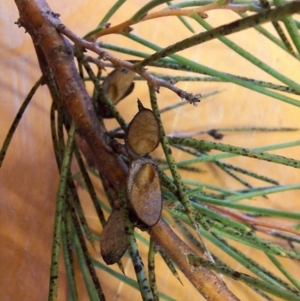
(210, 286)
(35, 16)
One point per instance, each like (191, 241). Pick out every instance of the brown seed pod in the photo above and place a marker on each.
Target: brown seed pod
(118, 84)
(113, 238)
(144, 191)
(142, 135)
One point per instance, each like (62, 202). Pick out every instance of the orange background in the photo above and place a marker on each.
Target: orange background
(29, 178)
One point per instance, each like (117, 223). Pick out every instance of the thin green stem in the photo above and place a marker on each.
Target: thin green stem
(215, 79)
(17, 119)
(250, 4)
(79, 210)
(168, 154)
(145, 9)
(58, 155)
(263, 192)
(257, 149)
(285, 272)
(257, 129)
(203, 145)
(255, 61)
(112, 11)
(228, 167)
(134, 253)
(60, 203)
(90, 188)
(170, 265)
(183, 20)
(66, 236)
(283, 43)
(186, 64)
(105, 19)
(291, 27)
(265, 4)
(263, 211)
(252, 240)
(246, 261)
(83, 268)
(174, 170)
(210, 187)
(236, 26)
(86, 254)
(151, 270)
(246, 172)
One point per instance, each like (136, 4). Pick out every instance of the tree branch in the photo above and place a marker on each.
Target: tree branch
(38, 20)
(154, 81)
(35, 16)
(206, 282)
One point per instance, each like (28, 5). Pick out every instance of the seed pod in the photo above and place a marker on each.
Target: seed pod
(142, 135)
(117, 85)
(113, 238)
(144, 191)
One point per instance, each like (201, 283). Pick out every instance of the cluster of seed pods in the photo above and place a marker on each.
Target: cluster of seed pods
(143, 191)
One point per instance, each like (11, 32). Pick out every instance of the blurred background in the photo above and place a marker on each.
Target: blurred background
(29, 176)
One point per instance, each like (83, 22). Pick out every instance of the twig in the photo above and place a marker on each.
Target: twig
(154, 81)
(171, 11)
(98, 62)
(203, 279)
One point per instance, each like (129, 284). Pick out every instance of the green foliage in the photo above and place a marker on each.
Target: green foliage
(188, 202)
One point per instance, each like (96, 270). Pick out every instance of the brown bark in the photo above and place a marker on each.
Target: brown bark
(206, 282)
(35, 16)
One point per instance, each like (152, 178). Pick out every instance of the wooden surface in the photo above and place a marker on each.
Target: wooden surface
(29, 178)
